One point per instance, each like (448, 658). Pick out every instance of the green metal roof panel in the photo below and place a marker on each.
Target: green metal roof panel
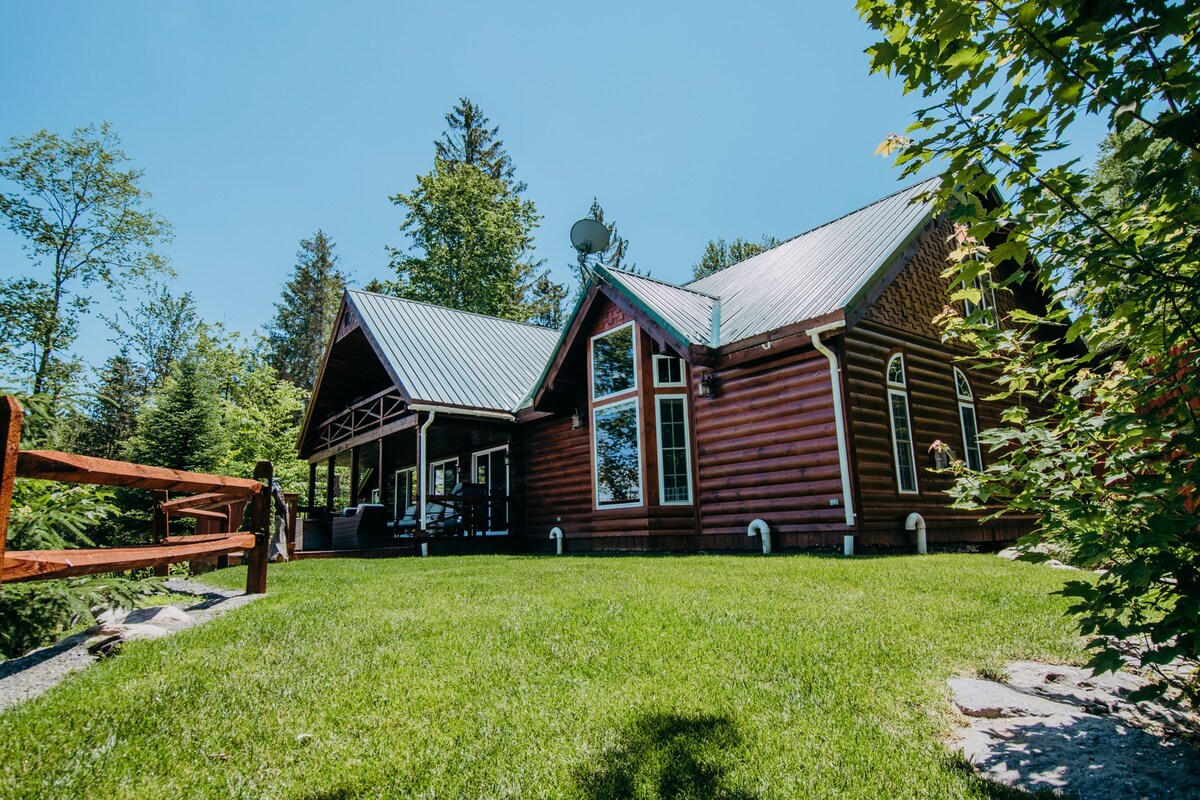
(818, 272)
(453, 357)
(685, 313)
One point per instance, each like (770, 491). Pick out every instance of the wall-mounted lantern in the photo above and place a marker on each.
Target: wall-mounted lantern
(576, 420)
(708, 385)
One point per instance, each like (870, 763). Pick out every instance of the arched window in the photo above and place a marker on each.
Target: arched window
(902, 438)
(968, 420)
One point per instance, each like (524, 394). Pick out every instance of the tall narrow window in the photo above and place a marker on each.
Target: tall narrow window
(444, 476)
(406, 491)
(614, 362)
(902, 438)
(970, 423)
(674, 467)
(987, 300)
(618, 454)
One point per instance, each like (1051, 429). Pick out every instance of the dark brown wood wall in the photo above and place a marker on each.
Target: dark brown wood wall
(901, 321)
(768, 448)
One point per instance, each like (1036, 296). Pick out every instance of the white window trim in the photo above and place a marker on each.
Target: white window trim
(966, 445)
(900, 389)
(637, 416)
(687, 450)
(670, 384)
(397, 511)
(433, 468)
(592, 365)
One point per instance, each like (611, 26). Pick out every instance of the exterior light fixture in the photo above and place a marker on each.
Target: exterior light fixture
(708, 385)
(576, 420)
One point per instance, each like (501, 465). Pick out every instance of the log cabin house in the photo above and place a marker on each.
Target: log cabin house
(804, 386)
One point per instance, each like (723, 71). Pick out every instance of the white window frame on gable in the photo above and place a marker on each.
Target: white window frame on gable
(641, 460)
(897, 392)
(592, 362)
(686, 448)
(968, 420)
(669, 362)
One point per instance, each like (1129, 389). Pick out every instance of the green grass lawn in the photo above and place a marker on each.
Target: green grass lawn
(703, 676)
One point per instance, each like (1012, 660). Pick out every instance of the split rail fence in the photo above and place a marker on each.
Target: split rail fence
(216, 502)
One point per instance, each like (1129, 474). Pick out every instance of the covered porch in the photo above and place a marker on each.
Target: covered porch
(395, 476)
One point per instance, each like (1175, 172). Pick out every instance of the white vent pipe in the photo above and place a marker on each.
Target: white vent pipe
(916, 522)
(760, 528)
(557, 534)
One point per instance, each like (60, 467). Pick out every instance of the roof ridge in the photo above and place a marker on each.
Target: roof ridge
(816, 228)
(452, 310)
(664, 283)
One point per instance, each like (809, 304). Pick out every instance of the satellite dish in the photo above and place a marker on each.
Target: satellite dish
(589, 236)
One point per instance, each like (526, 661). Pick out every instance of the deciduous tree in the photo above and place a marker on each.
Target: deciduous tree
(80, 209)
(1102, 443)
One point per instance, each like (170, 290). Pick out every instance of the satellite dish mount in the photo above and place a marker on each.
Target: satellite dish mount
(589, 236)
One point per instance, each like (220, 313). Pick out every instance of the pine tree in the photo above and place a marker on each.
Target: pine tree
(548, 301)
(615, 256)
(718, 255)
(182, 427)
(112, 418)
(305, 314)
(468, 140)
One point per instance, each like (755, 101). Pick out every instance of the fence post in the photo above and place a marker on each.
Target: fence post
(260, 516)
(293, 500)
(10, 429)
(162, 529)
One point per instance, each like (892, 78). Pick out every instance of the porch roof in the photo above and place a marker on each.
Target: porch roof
(445, 356)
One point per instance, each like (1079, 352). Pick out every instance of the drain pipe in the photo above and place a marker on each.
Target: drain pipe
(916, 522)
(839, 421)
(761, 528)
(422, 479)
(557, 534)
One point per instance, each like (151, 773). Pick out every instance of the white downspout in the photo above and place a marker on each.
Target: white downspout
(422, 479)
(556, 533)
(760, 528)
(839, 420)
(916, 522)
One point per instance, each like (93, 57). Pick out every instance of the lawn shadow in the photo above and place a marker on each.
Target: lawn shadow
(667, 756)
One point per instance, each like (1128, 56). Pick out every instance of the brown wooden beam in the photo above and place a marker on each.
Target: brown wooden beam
(26, 565)
(205, 501)
(50, 465)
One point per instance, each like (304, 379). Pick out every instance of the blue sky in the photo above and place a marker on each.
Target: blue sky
(257, 123)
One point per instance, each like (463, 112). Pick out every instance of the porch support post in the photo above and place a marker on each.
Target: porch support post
(312, 487)
(329, 475)
(379, 470)
(354, 487)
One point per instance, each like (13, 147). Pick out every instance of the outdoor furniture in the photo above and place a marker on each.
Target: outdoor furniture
(365, 528)
(406, 525)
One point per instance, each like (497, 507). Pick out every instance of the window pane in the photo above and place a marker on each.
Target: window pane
(902, 441)
(895, 373)
(672, 439)
(668, 370)
(971, 437)
(618, 455)
(961, 385)
(612, 362)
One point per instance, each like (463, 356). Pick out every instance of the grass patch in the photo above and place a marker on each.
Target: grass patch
(696, 676)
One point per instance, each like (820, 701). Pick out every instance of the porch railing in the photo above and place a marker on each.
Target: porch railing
(365, 415)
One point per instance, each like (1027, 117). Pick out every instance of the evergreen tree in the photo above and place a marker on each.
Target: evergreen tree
(615, 257)
(473, 241)
(468, 140)
(547, 303)
(112, 418)
(718, 255)
(182, 427)
(305, 314)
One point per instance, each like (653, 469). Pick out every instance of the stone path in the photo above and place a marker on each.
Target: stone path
(32, 674)
(1061, 728)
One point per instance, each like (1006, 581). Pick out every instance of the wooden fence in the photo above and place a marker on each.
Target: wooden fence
(216, 502)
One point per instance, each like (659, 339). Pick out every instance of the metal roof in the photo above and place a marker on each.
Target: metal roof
(817, 272)
(683, 312)
(452, 357)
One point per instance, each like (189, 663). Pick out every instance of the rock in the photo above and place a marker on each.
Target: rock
(991, 700)
(159, 615)
(1038, 732)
